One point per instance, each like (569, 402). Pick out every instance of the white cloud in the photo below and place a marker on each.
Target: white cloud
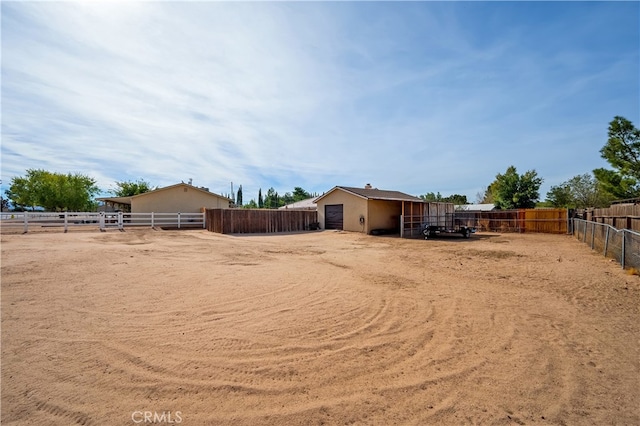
(282, 94)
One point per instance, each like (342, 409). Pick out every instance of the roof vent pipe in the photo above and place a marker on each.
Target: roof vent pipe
(368, 186)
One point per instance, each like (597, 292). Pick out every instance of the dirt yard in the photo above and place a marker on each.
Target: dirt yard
(191, 327)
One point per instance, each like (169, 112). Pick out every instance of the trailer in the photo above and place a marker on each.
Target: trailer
(447, 224)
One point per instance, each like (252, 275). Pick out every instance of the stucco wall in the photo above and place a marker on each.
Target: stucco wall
(353, 207)
(181, 199)
(384, 215)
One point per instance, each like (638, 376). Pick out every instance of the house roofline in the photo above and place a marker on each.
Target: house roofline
(336, 188)
(365, 197)
(178, 185)
(120, 200)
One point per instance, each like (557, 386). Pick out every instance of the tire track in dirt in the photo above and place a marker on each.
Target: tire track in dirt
(344, 338)
(330, 328)
(260, 347)
(59, 412)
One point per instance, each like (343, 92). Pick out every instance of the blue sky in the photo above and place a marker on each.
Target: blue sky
(411, 96)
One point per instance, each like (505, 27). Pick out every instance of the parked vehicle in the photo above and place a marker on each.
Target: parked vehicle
(449, 226)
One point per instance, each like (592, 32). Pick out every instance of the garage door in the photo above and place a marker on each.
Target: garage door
(333, 218)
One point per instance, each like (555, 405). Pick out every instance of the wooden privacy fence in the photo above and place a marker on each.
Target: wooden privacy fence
(259, 221)
(553, 221)
(620, 216)
(550, 221)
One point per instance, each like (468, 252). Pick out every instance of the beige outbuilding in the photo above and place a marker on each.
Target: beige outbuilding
(179, 198)
(182, 197)
(364, 209)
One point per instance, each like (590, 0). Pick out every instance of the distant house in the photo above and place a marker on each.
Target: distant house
(476, 207)
(364, 209)
(112, 204)
(182, 197)
(308, 204)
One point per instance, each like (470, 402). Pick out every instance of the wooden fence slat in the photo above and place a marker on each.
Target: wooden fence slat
(244, 221)
(522, 220)
(550, 221)
(619, 216)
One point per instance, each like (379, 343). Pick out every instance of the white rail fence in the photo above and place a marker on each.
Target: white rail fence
(101, 220)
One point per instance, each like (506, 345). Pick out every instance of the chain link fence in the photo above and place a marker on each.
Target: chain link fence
(623, 245)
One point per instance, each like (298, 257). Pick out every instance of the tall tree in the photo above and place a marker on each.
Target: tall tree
(580, 191)
(251, 205)
(560, 196)
(622, 152)
(513, 191)
(260, 200)
(22, 193)
(287, 198)
(430, 196)
(300, 194)
(239, 197)
(455, 198)
(272, 199)
(53, 191)
(269, 198)
(131, 188)
(486, 197)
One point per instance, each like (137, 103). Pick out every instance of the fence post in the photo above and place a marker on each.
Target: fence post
(66, 222)
(120, 221)
(606, 242)
(624, 234)
(204, 220)
(593, 235)
(102, 221)
(26, 222)
(401, 226)
(152, 220)
(178, 220)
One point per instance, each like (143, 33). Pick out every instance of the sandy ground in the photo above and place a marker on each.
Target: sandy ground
(191, 327)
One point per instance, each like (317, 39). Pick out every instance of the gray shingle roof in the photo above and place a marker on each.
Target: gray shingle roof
(380, 194)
